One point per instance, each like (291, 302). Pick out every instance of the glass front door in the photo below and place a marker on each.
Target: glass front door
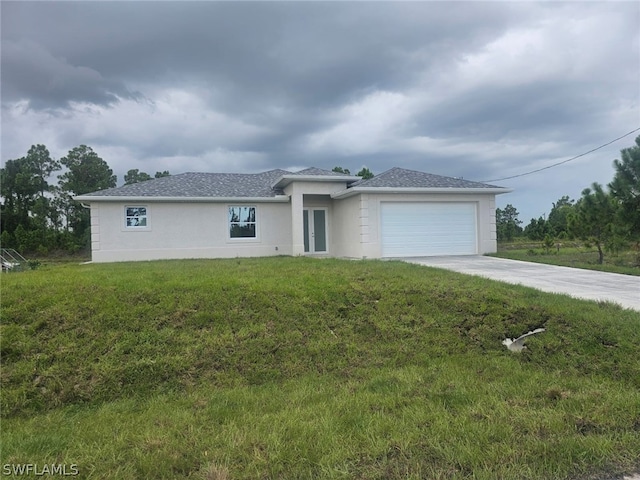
(315, 230)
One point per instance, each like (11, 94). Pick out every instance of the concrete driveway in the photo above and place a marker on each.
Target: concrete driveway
(586, 284)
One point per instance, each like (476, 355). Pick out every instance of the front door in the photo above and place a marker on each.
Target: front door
(315, 230)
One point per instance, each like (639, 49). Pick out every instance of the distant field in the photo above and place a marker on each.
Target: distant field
(305, 368)
(571, 254)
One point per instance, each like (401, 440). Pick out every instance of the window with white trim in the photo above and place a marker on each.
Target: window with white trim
(242, 222)
(135, 217)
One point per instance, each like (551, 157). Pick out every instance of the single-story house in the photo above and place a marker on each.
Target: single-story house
(399, 213)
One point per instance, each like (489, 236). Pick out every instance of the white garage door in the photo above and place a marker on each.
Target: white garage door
(414, 229)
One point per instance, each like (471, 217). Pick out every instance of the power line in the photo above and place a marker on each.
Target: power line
(564, 161)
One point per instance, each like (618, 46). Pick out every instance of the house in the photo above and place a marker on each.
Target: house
(399, 213)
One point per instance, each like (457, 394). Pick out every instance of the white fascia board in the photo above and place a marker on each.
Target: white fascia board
(141, 199)
(356, 190)
(285, 180)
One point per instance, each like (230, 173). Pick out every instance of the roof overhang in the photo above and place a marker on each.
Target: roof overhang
(348, 192)
(143, 199)
(285, 180)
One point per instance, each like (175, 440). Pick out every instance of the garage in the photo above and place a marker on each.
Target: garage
(416, 229)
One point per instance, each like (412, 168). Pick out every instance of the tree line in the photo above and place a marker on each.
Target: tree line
(38, 213)
(365, 173)
(605, 217)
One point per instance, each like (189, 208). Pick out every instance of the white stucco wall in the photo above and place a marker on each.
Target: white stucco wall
(485, 218)
(201, 229)
(350, 226)
(186, 230)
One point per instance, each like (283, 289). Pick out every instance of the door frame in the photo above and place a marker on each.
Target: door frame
(309, 228)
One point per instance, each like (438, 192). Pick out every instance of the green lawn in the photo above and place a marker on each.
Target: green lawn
(305, 368)
(572, 254)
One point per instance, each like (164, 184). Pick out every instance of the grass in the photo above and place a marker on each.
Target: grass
(572, 254)
(306, 368)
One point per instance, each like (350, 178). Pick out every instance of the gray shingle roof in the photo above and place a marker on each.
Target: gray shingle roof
(203, 185)
(403, 178)
(260, 185)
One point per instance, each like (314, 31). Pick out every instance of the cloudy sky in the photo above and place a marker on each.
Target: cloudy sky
(480, 90)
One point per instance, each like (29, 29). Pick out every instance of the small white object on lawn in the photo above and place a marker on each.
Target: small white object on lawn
(518, 344)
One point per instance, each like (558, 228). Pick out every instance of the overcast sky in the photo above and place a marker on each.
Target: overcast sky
(480, 90)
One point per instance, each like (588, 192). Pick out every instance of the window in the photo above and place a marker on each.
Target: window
(242, 222)
(135, 217)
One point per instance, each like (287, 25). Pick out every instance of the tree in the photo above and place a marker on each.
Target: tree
(558, 217)
(27, 198)
(547, 243)
(594, 219)
(507, 223)
(41, 166)
(365, 173)
(87, 172)
(625, 188)
(18, 190)
(537, 229)
(136, 176)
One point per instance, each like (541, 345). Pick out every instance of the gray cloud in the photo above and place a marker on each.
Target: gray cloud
(286, 52)
(30, 72)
